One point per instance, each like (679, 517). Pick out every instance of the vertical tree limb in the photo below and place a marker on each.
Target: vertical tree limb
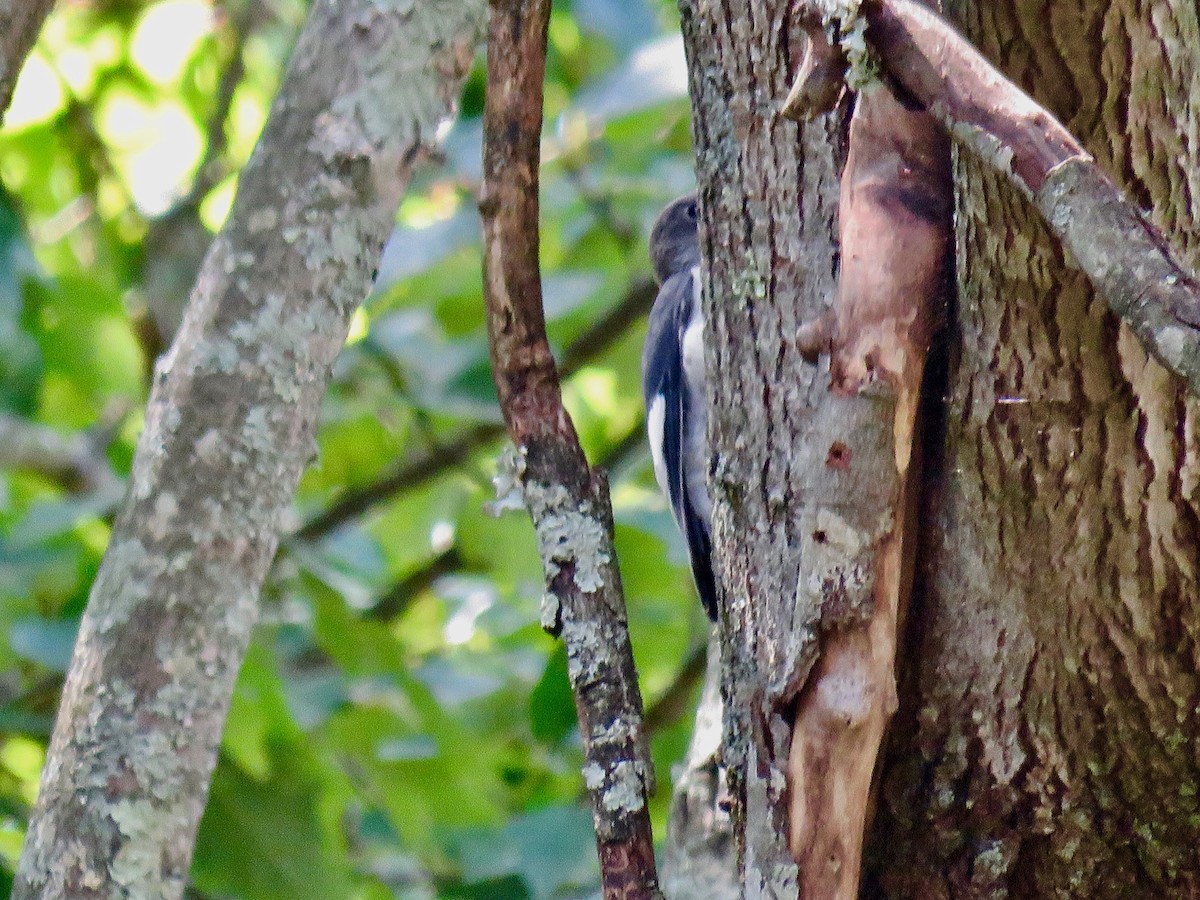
(20, 23)
(229, 428)
(812, 464)
(567, 501)
(894, 221)
(768, 198)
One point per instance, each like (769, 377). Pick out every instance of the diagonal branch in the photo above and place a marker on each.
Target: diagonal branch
(1128, 260)
(229, 429)
(76, 461)
(568, 502)
(410, 474)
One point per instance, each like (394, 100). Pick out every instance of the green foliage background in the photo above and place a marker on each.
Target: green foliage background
(402, 727)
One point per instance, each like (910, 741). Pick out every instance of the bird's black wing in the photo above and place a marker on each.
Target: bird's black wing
(663, 382)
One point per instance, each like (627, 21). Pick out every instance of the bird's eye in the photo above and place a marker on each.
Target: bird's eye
(691, 211)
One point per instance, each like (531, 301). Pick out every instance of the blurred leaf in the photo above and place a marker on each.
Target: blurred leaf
(552, 705)
(45, 641)
(264, 838)
(552, 849)
(363, 742)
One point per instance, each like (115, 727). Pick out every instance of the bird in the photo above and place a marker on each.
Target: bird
(673, 378)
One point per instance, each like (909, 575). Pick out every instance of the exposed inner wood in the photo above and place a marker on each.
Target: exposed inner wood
(895, 233)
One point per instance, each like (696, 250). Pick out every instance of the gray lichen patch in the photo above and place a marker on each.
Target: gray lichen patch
(550, 613)
(621, 786)
(991, 149)
(508, 481)
(568, 532)
(586, 649)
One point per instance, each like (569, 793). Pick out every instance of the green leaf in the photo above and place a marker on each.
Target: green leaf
(551, 705)
(552, 849)
(264, 839)
(45, 641)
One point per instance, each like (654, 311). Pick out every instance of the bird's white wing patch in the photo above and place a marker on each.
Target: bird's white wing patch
(655, 424)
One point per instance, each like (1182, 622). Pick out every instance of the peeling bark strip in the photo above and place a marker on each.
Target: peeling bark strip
(229, 428)
(568, 502)
(895, 219)
(20, 23)
(1125, 256)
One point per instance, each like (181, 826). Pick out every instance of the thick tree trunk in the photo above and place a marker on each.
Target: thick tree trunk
(768, 241)
(229, 428)
(1046, 741)
(810, 440)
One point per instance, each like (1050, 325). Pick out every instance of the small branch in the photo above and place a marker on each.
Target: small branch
(396, 600)
(820, 79)
(76, 461)
(177, 240)
(411, 474)
(407, 476)
(20, 23)
(212, 168)
(1128, 260)
(676, 700)
(608, 329)
(567, 501)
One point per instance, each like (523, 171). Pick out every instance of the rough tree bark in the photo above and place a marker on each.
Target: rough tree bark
(229, 428)
(768, 231)
(1046, 741)
(811, 459)
(1046, 747)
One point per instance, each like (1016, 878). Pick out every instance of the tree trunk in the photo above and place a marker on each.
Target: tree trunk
(1046, 740)
(229, 429)
(768, 241)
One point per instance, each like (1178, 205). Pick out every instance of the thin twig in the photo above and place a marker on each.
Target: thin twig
(407, 476)
(396, 600)
(77, 461)
(676, 701)
(567, 501)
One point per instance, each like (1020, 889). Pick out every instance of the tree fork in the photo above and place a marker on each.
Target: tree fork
(1128, 260)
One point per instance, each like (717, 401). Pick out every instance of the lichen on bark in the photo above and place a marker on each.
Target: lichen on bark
(229, 429)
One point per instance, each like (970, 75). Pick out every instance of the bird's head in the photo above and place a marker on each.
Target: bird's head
(675, 239)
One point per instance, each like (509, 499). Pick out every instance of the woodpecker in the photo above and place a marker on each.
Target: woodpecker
(673, 386)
